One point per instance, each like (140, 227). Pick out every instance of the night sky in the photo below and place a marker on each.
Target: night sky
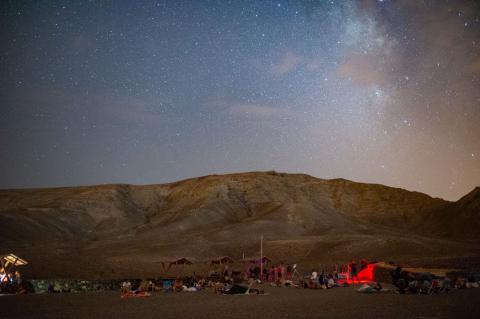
(145, 92)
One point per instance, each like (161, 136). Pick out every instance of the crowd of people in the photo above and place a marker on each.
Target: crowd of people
(281, 275)
(228, 281)
(423, 283)
(189, 284)
(288, 275)
(11, 282)
(274, 274)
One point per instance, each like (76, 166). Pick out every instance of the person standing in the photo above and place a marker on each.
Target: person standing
(353, 270)
(314, 279)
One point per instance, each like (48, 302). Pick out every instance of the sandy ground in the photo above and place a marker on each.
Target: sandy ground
(278, 303)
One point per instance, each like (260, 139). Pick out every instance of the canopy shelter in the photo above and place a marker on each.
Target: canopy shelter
(439, 272)
(213, 264)
(219, 260)
(256, 260)
(168, 262)
(9, 261)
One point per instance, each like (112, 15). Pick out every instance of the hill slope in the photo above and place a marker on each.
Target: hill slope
(114, 230)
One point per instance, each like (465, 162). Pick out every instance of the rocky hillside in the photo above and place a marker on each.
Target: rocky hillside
(111, 230)
(460, 219)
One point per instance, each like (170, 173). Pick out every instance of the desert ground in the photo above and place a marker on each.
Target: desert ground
(276, 303)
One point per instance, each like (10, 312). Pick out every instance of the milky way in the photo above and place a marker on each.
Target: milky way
(147, 92)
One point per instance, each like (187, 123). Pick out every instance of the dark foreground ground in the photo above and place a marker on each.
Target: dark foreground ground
(278, 303)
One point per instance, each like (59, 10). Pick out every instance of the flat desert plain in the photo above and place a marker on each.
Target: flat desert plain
(276, 303)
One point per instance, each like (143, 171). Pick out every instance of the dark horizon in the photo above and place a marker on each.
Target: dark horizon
(232, 173)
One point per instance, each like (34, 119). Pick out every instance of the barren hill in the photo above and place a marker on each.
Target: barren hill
(118, 230)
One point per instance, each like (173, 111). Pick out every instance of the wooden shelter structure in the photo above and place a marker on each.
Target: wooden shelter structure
(219, 260)
(7, 262)
(168, 262)
(213, 265)
(256, 260)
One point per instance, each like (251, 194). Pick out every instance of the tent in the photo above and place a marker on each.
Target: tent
(168, 262)
(9, 261)
(381, 271)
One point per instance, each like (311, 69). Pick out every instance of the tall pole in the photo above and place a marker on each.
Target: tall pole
(261, 258)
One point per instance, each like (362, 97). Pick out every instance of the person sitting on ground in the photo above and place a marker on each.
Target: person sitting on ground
(413, 286)
(396, 275)
(323, 281)
(471, 281)
(177, 285)
(253, 288)
(446, 285)
(378, 286)
(125, 287)
(51, 288)
(335, 276)
(217, 287)
(330, 282)
(460, 283)
(143, 286)
(425, 286)
(434, 287)
(402, 283)
(201, 283)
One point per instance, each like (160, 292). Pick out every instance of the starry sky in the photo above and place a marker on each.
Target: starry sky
(145, 92)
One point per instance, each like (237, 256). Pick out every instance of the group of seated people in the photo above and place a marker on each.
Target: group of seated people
(232, 288)
(11, 282)
(419, 283)
(227, 285)
(143, 288)
(469, 281)
(191, 284)
(320, 281)
(179, 284)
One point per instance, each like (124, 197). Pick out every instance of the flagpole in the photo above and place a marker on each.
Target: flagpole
(261, 258)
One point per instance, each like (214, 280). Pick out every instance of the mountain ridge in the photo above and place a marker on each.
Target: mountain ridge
(223, 214)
